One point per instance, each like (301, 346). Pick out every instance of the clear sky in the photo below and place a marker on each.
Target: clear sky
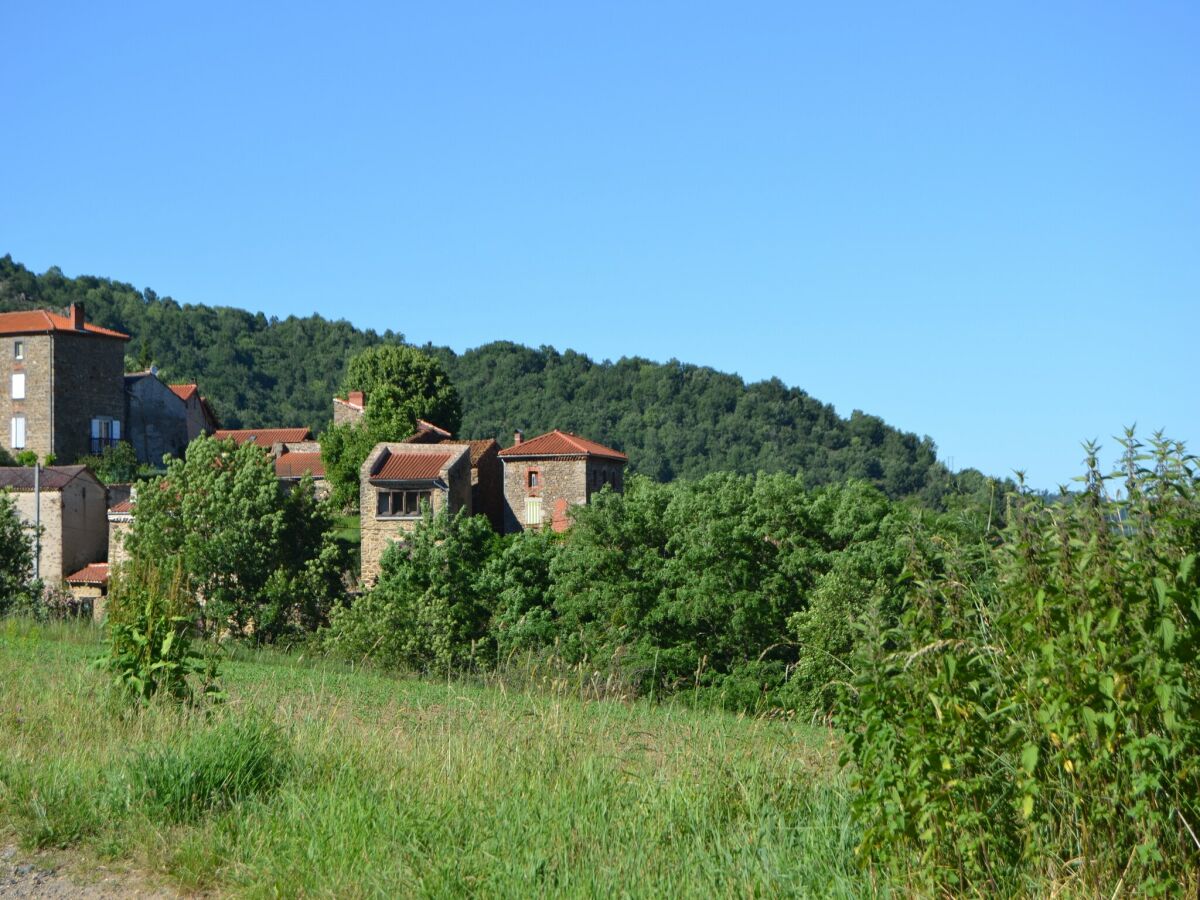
(979, 221)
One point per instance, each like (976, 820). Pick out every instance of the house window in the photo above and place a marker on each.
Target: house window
(401, 504)
(17, 433)
(18, 385)
(534, 479)
(105, 433)
(533, 511)
(18, 349)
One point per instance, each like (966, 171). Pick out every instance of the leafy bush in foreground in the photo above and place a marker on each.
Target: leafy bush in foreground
(149, 641)
(1043, 722)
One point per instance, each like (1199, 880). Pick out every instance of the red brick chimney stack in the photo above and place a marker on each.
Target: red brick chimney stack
(517, 437)
(77, 316)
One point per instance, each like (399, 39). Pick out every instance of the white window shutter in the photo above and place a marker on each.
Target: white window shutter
(116, 430)
(533, 511)
(96, 428)
(18, 386)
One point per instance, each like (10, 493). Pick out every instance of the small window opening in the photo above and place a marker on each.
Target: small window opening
(18, 350)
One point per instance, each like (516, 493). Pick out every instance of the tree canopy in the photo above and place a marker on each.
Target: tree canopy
(674, 420)
(263, 559)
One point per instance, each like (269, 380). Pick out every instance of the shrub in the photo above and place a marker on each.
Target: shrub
(149, 646)
(1043, 720)
(431, 606)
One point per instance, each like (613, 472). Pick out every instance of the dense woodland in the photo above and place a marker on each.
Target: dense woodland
(674, 420)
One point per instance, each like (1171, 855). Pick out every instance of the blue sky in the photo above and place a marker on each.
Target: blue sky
(981, 222)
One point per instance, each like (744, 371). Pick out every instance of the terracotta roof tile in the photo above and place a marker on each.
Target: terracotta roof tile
(184, 392)
(411, 466)
(298, 464)
(39, 321)
(54, 478)
(264, 437)
(93, 573)
(561, 443)
(124, 508)
(478, 448)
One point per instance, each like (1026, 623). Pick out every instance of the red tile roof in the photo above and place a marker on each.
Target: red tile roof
(561, 443)
(124, 508)
(297, 465)
(264, 437)
(184, 392)
(93, 573)
(478, 448)
(54, 478)
(398, 466)
(39, 321)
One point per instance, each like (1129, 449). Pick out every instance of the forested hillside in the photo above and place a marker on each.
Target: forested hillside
(673, 419)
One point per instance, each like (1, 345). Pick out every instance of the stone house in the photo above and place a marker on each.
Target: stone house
(487, 477)
(73, 516)
(156, 418)
(547, 475)
(398, 481)
(90, 587)
(62, 390)
(200, 417)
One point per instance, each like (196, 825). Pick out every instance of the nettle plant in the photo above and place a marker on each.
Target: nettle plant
(1035, 715)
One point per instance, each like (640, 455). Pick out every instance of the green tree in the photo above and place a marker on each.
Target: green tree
(117, 464)
(431, 606)
(401, 385)
(262, 560)
(16, 556)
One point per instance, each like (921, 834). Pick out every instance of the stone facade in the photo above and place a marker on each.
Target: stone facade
(349, 410)
(541, 488)
(200, 418)
(120, 523)
(439, 473)
(36, 410)
(72, 375)
(156, 418)
(73, 517)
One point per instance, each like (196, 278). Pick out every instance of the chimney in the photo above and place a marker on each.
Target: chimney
(77, 316)
(518, 437)
(355, 398)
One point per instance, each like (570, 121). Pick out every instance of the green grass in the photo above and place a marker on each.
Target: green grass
(348, 528)
(318, 780)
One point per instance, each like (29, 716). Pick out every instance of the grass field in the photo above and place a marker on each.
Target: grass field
(317, 780)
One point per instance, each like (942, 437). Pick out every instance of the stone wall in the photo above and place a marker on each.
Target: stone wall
(50, 557)
(487, 497)
(156, 420)
(89, 382)
(84, 524)
(378, 534)
(118, 527)
(74, 527)
(558, 479)
(562, 484)
(346, 413)
(37, 365)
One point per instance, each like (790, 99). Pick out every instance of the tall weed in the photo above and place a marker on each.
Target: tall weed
(1038, 721)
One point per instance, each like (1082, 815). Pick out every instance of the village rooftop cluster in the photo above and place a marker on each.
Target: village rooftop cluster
(67, 395)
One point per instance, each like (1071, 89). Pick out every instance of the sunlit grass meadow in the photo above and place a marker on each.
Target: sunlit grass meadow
(317, 780)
